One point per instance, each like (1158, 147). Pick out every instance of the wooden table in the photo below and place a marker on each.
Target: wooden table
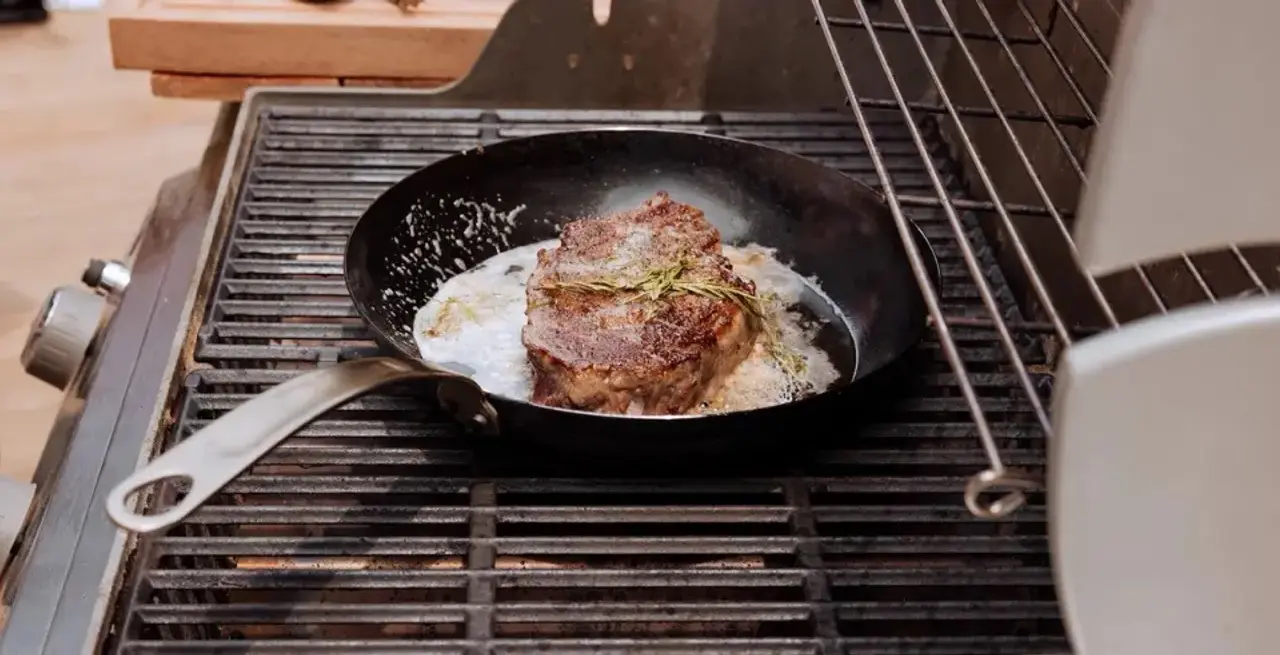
(216, 49)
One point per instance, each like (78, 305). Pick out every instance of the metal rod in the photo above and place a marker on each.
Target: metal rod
(980, 112)
(1249, 270)
(997, 474)
(978, 205)
(1071, 82)
(1057, 60)
(1019, 247)
(929, 30)
(1088, 41)
(1066, 75)
(963, 136)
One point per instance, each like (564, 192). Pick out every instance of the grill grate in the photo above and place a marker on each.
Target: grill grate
(378, 530)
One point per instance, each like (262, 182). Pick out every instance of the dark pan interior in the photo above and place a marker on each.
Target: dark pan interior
(455, 213)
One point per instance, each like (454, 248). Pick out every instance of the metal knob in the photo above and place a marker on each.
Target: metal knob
(61, 334)
(110, 277)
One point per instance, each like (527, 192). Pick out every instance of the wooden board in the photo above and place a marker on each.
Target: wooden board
(439, 39)
(223, 88)
(231, 88)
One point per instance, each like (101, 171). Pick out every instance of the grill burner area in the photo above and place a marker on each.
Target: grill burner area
(380, 529)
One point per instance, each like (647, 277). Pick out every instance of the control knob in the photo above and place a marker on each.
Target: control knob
(61, 334)
(110, 277)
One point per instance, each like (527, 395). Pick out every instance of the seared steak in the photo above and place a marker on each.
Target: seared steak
(610, 330)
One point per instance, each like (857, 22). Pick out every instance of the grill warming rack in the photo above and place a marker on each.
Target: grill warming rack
(1011, 62)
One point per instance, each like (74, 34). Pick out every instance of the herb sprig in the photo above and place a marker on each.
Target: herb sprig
(447, 318)
(666, 281)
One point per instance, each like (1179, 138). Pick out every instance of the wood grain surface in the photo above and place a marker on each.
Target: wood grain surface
(231, 88)
(292, 38)
(83, 150)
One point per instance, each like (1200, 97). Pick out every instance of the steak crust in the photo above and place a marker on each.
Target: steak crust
(619, 351)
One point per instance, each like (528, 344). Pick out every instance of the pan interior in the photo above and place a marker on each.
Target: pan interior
(456, 213)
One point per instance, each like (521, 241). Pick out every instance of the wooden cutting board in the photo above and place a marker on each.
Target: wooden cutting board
(217, 48)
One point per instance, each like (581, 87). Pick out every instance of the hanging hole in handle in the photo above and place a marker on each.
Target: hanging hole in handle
(151, 490)
(162, 494)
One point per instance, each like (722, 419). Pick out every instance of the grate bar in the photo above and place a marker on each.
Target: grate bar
(418, 546)
(305, 211)
(909, 200)
(312, 454)
(332, 428)
(305, 613)
(380, 484)
(928, 30)
(400, 514)
(977, 112)
(763, 646)
(1023, 645)
(587, 579)
(479, 613)
(421, 579)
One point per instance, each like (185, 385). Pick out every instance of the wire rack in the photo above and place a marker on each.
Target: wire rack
(1018, 90)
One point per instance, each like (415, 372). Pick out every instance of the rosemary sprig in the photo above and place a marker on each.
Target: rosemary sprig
(665, 281)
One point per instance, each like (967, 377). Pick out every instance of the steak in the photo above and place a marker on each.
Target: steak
(637, 312)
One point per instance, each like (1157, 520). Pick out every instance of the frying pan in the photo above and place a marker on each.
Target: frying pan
(455, 213)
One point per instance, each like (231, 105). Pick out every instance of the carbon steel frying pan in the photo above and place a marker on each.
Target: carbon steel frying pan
(462, 210)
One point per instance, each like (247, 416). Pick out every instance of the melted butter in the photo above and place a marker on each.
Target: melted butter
(473, 326)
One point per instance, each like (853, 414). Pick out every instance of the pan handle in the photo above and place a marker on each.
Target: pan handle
(214, 456)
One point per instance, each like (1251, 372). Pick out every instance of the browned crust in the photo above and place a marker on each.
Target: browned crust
(573, 332)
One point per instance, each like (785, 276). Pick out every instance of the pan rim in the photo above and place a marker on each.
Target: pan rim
(927, 252)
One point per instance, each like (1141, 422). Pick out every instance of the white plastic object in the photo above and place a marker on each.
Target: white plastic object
(1187, 156)
(1164, 484)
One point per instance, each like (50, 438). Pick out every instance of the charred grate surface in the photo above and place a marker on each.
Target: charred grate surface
(378, 530)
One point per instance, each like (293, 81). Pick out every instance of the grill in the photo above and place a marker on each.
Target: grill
(380, 529)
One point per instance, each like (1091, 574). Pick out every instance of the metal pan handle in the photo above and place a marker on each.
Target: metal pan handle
(214, 456)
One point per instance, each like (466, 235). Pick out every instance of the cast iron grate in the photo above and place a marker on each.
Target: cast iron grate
(379, 530)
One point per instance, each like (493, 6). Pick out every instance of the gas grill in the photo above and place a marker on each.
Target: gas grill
(381, 528)
(382, 522)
